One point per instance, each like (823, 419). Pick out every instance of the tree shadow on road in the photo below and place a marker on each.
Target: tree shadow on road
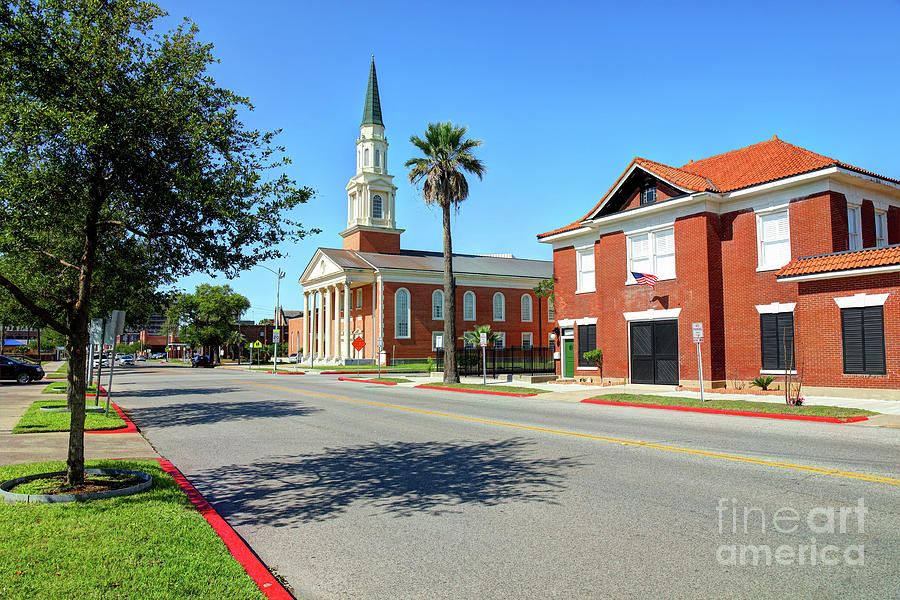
(173, 392)
(401, 478)
(206, 413)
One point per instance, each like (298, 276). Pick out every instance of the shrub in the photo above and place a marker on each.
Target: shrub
(763, 381)
(596, 357)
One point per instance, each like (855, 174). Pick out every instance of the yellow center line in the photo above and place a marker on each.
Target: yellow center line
(602, 438)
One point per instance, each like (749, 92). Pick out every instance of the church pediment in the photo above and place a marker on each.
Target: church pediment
(319, 267)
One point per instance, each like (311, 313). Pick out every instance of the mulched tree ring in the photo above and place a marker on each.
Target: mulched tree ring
(107, 483)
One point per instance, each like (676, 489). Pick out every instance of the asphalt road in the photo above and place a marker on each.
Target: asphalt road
(365, 491)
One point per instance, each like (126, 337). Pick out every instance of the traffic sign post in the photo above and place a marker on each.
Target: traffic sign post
(257, 345)
(483, 340)
(379, 345)
(697, 330)
(275, 335)
(359, 344)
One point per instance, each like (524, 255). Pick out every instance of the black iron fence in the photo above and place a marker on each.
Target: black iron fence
(502, 361)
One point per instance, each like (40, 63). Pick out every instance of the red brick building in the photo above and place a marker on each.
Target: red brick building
(373, 289)
(783, 256)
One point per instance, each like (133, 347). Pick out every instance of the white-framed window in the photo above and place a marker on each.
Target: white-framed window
(526, 307)
(437, 340)
(880, 229)
(773, 240)
(526, 339)
(499, 307)
(466, 342)
(469, 306)
(377, 158)
(854, 227)
(377, 204)
(402, 316)
(359, 298)
(648, 194)
(500, 340)
(437, 305)
(366, 157)
(551, 310)
(651, 252)
(584, 269)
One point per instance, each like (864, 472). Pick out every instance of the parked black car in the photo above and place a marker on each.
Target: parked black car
(202, 360)
(20, 370)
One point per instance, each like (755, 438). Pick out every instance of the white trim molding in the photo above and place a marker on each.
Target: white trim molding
(652, 314)
(566, 323)
(586, 321)
(775, 307)
(861, 300)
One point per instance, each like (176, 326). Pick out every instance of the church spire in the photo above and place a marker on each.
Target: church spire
(372, 109)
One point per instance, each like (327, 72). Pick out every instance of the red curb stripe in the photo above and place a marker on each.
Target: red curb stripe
(238, 548)
(367, 381)
(130, 427)
(103, 392)
(465, 391)
(370, 372)
(740, 413)
(286, 373)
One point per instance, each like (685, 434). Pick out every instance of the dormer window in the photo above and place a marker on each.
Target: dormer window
(648, 194)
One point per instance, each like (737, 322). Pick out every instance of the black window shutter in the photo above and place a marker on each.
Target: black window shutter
(785, 340)
(587, 341)
(873, 340)
(852, 332)
(768, 324)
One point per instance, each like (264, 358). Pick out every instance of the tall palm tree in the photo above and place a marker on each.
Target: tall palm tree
(447, 154)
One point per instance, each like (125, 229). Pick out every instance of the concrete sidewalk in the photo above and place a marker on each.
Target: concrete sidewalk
(34, 447)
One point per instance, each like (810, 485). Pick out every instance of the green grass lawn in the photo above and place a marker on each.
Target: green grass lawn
(63, 368)
(510, 389)
(59, 387)
(745, 405)
(35, 421)
(153, 545)
(390, 380)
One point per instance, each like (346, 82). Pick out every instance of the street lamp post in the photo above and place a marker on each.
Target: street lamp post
(279, 276)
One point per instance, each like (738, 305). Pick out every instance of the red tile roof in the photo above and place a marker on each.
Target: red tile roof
(841, 261)
(760, 163)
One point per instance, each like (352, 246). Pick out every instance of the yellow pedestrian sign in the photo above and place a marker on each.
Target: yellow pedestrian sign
(257, 344)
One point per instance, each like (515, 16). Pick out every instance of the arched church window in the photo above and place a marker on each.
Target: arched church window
(366, 157)
(499, 307)
(437, 305)
(526, 307)
(469, 306)
(401, 318)
(377, 206)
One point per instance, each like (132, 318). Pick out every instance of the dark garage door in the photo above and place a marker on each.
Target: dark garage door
(654, 352)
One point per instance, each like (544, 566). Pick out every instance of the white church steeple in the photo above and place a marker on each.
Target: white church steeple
(371, 220)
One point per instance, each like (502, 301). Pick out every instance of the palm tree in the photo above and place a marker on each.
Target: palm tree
(473, 337)
(447, 154)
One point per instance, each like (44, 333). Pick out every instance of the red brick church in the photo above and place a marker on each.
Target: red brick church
(372, 288)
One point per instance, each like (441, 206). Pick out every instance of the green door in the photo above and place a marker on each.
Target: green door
(569, 358)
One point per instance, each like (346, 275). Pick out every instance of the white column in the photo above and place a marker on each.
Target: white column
(328, 321)
(346, 349)
(320, 326)
(302, 341)
(338, 348)
(311, 341)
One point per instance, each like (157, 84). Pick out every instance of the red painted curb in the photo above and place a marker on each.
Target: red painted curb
(239, 549)
(367, 381)
(130, 427)
(361, 372)
(286, 373)
(93, 394)
(449, 389)
(740, 413)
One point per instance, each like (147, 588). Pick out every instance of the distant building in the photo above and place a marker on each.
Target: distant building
(373, 289)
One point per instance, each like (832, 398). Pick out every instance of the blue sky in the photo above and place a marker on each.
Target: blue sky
(563, 95)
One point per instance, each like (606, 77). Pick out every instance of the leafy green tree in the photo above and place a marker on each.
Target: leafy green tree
(447, 155)
(122, 167)
(206, 317)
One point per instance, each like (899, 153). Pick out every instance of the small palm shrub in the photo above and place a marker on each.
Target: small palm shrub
(763, 381)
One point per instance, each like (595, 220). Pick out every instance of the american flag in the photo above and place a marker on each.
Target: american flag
(644, 278)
